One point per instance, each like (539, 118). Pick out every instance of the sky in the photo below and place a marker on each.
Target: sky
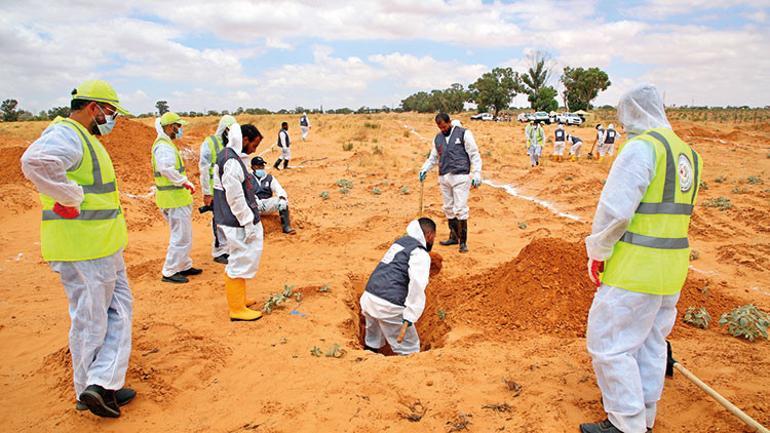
(213, 55)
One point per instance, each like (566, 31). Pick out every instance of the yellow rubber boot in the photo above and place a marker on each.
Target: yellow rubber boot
(574, 158)
(236, 300)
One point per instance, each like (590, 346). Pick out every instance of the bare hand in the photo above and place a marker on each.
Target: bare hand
(402, 333)
(207, 200)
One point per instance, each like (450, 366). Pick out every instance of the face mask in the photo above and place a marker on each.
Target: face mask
(259, 173)
(179, 133)
(106, 127)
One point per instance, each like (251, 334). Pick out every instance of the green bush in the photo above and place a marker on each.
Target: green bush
(747, 321)
(376, 191)
(721, 203)
(720, 179)
(324, 195)
(755, 180)
(347, 147)
(698, 317)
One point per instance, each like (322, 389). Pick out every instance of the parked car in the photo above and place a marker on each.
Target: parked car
(483, 117)
(542, 116)
(570, 119)
(524, 117)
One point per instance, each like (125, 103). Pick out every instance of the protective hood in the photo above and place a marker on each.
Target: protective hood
(641, 109)
(225, 122)
(234, 138)
(414, 230)
(456, 122)
(159, 129)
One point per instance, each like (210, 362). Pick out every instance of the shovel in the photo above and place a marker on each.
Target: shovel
(672, 364)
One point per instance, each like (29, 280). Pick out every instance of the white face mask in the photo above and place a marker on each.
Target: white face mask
(106, 127)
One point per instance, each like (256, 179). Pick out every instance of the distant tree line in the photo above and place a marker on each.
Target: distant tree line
(495, 90)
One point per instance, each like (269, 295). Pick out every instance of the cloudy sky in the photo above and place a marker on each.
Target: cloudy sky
(204, 54)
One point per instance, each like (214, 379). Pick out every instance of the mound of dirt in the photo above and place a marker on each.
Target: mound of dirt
(10, 158)
(129, 145)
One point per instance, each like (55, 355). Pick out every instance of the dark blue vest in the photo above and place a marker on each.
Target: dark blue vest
(390, 281)
(288, 140)
(223, 216)
(263, 187)
(452, 157)
(559, 135)
(609, 136)
(303, 121)
(576, 140)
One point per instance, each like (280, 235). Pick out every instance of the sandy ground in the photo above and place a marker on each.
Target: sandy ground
(511, 311)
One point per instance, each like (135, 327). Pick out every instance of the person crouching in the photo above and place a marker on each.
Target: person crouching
(271, 196)
(394, 298)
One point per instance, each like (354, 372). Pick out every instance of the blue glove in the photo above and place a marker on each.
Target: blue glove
(423, 175)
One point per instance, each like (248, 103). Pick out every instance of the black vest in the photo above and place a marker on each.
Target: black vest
(303, 121)
(263, 187)
(609, 136)
(223, 216)
(390, 281)
(288, 141)
(559, 135)
(452, 157)
(575, 140)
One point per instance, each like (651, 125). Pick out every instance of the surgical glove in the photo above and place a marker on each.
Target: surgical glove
(250, 231)
(594, 268)
(66, 212)
(282, 204)
(190, 187)
(423, 175)
(261, 206)
(476, 182)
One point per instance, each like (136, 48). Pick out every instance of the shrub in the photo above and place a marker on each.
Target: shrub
(277, 299)
(371, 125)
(344, 183)
(404, 190)
(738, 190)
(347, 147)
(694, 255)
(747, 321)
(522, 225)
(377, 150)
(720, 179)
(698, 317)
(755, 180)
(703, 185)
(376, 191)
(324, 195)
(721, 203)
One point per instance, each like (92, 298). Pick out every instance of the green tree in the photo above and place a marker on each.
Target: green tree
(162, 107)
(8, 108)
(541, 96)
(495, 89)
(583, 85)
(58, 111)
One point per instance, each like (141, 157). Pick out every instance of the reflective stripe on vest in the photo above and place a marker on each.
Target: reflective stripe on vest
(652, 256)
(100, 228)
(215, 146)
(168, 195)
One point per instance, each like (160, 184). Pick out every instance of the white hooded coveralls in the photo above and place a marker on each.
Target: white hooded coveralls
(626, 333)
(219, 242)
(384, 319)
(179, 218)
(245, 255)
(455, 188)
(305, 129)
(100, 300)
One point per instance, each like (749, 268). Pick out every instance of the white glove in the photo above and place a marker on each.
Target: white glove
(476, 182)
(250, 232)
(282, 204)
(261, 206)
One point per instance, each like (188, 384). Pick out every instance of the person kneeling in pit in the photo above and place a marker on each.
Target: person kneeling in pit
(394, 298)
(271, 196)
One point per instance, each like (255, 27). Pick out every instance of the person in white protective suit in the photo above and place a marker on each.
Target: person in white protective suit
(173, 196)
(284, 143)
(599, 141)
(576, 143)
(609, 140)
(639, 241)
(82, 237)
(559, 138)
(457, 155)
(535, 136)
(304, 125)
(271, 197)
(236, 212)
(210, 148)
(394, 298)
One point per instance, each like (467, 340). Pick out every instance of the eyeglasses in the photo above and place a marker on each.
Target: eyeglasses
(108, 110)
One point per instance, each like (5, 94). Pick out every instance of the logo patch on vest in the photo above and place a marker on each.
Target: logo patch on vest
(685, 173)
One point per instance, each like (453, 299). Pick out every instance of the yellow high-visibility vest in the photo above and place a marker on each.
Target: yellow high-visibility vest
(654, 254)
(168, 195)
(100, 229)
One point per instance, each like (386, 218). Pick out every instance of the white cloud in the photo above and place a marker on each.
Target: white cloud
(426, 72)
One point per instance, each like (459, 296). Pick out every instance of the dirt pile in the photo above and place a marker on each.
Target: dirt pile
(10, 158)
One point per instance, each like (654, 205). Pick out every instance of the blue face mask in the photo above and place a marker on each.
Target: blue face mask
(179, 133)
(259, 173)
(106, 127)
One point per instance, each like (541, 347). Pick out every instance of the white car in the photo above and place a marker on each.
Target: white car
(524, 117)
(541, 116)
(570, 119)
(483, 116)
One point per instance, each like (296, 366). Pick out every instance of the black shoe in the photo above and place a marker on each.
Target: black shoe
(177, 278)
(100, 401)
(371, 349)
(191, 271)
(286, 221)
(463, 235)
(452, 223)
(285, 163)
(222, 259)
(123, 396)
(599, 427)
(277, 163)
